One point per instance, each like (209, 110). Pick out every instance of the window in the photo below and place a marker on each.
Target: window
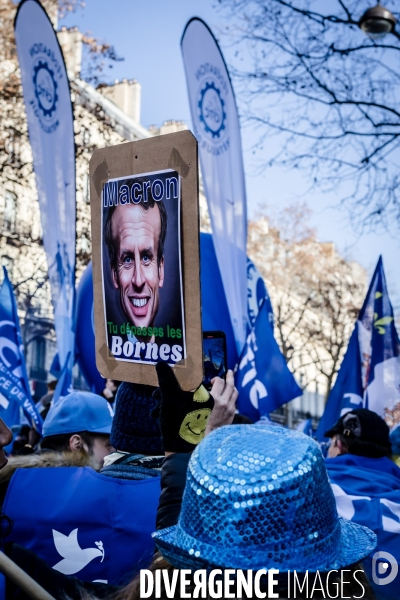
(13, 148)
(10, 212)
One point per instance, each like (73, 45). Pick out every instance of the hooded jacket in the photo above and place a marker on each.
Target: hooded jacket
(42, 459)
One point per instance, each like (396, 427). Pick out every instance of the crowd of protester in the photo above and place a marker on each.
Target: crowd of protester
(221, 493)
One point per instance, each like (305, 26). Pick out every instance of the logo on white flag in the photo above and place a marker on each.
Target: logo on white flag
(45, 71)
(211, 128)
(45, 88)
(211, 110)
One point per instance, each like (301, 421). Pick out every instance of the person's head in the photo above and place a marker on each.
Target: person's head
(361, 432)
(134, 429)
(51, 385)
(80, 422)
(95, 445)
(135, 237)
(259, 497)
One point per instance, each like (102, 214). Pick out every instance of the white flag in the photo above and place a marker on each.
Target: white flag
(216, 127)
(50, 124)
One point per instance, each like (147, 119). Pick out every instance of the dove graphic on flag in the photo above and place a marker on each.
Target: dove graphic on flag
(369, 376)
(74, 557)
(14, 386)
(83, 523)
(263, 378)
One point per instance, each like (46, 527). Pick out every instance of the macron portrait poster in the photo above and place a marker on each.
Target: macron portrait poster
(141, 268)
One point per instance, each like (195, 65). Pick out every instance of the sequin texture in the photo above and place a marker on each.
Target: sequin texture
(274, 507)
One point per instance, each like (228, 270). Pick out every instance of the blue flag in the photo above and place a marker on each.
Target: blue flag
(263, 378)
(257, 295)
(14, 385)
(83, 523)
(380, 351)
(64, 384)
(347, 393)
(367, 491)
(369, 376)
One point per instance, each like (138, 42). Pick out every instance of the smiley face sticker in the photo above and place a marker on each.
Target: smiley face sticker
(194, 425)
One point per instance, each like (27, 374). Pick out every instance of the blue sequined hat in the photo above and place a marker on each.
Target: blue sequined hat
(258, 497)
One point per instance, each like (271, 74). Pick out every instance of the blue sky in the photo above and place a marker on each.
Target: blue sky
(147, 34)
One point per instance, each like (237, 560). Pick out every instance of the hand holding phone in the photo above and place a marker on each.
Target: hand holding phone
(225, 395)
(214, 356)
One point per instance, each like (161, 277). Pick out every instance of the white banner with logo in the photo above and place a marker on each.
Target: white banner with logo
(50, 124)
(216, 127)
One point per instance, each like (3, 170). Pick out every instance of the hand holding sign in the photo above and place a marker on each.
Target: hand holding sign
(183, 415)
(145, 223)
(225, 395)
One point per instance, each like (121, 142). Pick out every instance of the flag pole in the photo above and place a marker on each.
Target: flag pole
(22, 579)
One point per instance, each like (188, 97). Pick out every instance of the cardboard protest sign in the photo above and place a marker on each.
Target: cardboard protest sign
(146, 266)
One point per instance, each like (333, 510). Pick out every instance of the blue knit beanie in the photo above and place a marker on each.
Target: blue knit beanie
(134, 429)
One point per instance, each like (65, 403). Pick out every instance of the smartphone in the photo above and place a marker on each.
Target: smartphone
(214, 356)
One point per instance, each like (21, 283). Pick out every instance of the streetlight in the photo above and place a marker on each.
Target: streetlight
(376, 22)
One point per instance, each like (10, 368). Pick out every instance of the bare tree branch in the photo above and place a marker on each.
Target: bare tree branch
(19, 240)
(330, 94)
(315, 293)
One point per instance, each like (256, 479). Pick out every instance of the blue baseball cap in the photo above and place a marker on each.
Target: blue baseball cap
(79, 411)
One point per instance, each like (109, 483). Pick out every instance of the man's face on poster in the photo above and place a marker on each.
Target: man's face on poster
(137, 273)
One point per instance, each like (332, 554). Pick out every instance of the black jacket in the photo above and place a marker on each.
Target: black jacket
(173, 480)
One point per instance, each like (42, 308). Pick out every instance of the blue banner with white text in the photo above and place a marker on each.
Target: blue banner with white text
(14, 385)
(367, 491)
(263, 378)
